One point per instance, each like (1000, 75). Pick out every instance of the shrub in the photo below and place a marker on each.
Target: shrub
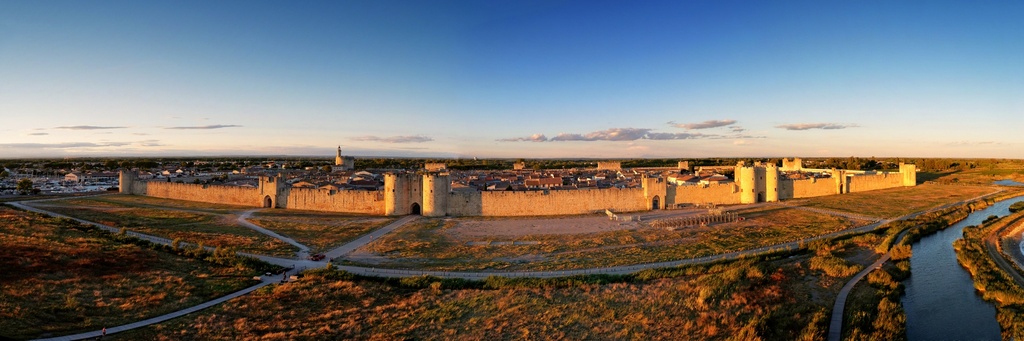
(901, 252)
(1017, 206)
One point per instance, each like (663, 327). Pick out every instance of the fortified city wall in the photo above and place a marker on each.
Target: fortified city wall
(806, 188)
(203, 193)
(365, 202)
(861, 183)
(720, 194)
(536, 203)
(430, 194)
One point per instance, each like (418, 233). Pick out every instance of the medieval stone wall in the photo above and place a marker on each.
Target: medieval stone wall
(721, 194)
(861, 183)
(537, 203)
(806, 188)
(364, 202)
(244, 196)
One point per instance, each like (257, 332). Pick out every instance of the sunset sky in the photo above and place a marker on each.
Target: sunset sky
(514, 79)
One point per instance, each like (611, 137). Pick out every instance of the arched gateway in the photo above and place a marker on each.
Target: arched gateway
(415, 208)
(268, 202)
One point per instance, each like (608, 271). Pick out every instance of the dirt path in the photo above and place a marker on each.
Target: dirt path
(835, 330)
(303, 250)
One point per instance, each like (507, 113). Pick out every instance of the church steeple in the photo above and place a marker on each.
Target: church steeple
(337, 159)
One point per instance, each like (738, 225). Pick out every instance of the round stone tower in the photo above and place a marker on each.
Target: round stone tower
(771, 182)
(126, 181)
(909, 173)
(396, 200)
(746, 179)
(435, 194)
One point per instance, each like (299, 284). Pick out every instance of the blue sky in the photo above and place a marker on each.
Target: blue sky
(512, 78)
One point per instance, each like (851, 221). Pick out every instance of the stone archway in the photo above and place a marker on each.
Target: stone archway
(760, 196)
(268, 202)
(415, 208)
(656, 203)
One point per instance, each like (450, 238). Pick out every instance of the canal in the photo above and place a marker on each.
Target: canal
(940, 300)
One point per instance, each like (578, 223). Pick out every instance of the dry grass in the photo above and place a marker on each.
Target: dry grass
(320, 231)
(896, 202)
(60, 281)
(123, 200)
(172, 223)
(772, 300)
(426, 244)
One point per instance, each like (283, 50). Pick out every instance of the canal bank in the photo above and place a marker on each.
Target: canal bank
(940, 300)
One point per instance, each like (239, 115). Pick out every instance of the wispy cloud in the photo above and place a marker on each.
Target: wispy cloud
(64, 145)
(703, 125)
(534, 138)
(613, 134)
(622, 134)
(213, 126)
(38, 134)
(394, 139)
(809, 126)
(973, 143)
(88, 127)
(150, 143)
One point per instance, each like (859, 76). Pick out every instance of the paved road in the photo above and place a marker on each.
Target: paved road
(366, 239)
(995, 250)
(369, 271)
(161, 318)
(303, 250)
(835, 329)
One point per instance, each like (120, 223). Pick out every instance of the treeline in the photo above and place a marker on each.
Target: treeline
(990, 280)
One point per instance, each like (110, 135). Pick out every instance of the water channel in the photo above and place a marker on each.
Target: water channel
(940, 300)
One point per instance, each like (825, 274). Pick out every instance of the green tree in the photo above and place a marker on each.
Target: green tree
(24, 186)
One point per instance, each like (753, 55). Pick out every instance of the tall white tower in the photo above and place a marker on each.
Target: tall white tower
(338, 161)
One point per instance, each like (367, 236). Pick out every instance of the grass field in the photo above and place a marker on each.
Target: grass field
(58, 281)
(426, 244)
(320, 231)
(781, 299)
(896, 202)
(173, 223)
(142, 201)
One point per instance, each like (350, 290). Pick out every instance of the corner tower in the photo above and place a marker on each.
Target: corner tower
(435, 194)
(126, 182)
(771, 182)
(746, 179)
(909, 173)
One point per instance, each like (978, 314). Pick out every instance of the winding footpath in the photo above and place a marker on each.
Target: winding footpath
(835, 329)
(301, 263)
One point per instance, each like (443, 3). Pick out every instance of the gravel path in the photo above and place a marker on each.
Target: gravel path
(303, 250)
(835, 329)
(302, 264)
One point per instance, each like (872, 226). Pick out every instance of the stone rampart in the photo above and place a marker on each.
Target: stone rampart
(232, 195)
(364, 202)
(538, 203)
(861, 183)
(721, 194)
(806, 188)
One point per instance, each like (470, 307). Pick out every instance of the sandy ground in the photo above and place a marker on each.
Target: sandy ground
(519, 227)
